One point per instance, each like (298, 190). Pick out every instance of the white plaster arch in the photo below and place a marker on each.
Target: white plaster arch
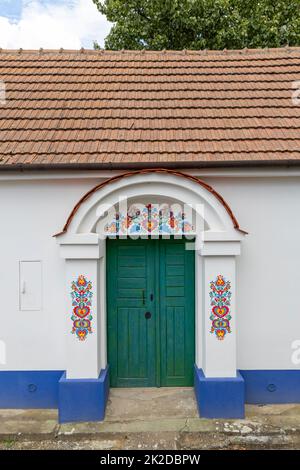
(85, 253)
(165, 185)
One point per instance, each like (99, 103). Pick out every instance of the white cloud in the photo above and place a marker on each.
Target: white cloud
(51, 25)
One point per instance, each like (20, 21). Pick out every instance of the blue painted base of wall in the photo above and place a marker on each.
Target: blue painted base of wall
(83, 399)
(219, 397)
(29, 389)
(272, 386)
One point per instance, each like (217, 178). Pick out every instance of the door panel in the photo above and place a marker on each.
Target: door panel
(155, 276)
(131, 338)
(177, 313)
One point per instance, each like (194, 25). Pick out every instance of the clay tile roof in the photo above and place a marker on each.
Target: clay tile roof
(130, 108)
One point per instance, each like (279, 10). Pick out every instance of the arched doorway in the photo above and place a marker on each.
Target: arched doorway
(216, 243)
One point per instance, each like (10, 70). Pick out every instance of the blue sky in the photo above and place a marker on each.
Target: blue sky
(51, 24)
(11, 8)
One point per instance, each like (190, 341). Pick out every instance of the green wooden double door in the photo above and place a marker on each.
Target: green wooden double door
(151, 313)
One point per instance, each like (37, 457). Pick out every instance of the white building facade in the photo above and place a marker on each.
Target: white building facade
(257, 361)
(146, 273)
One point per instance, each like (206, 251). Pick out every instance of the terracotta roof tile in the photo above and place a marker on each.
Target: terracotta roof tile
(134, 108)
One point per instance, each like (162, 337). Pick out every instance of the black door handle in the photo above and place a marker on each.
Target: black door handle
(147, 315)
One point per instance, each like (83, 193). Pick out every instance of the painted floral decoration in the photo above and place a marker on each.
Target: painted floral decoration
(220, 297)
(149, 219)
(81, 302)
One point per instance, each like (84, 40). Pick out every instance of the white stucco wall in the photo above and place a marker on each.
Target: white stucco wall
(268, 268)
(31, 212)
(266, 204)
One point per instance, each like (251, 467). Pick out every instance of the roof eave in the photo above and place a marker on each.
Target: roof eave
(142, 165)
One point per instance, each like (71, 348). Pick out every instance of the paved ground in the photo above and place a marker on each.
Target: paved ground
(164, 418)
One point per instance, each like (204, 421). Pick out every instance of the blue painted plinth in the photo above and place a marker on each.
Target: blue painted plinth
(83, 399)
(272, 386)
(219, 397)
(29, 389)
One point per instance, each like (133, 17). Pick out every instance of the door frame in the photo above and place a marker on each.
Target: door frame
(157, 244)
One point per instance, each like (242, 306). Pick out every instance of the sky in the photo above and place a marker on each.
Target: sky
(51, 24)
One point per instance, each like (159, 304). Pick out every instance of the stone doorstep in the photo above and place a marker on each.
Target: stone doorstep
(42, 424)
(275, 425)
(156, 441)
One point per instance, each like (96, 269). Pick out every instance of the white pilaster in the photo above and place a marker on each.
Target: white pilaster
(218, 356)
(83, 253)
